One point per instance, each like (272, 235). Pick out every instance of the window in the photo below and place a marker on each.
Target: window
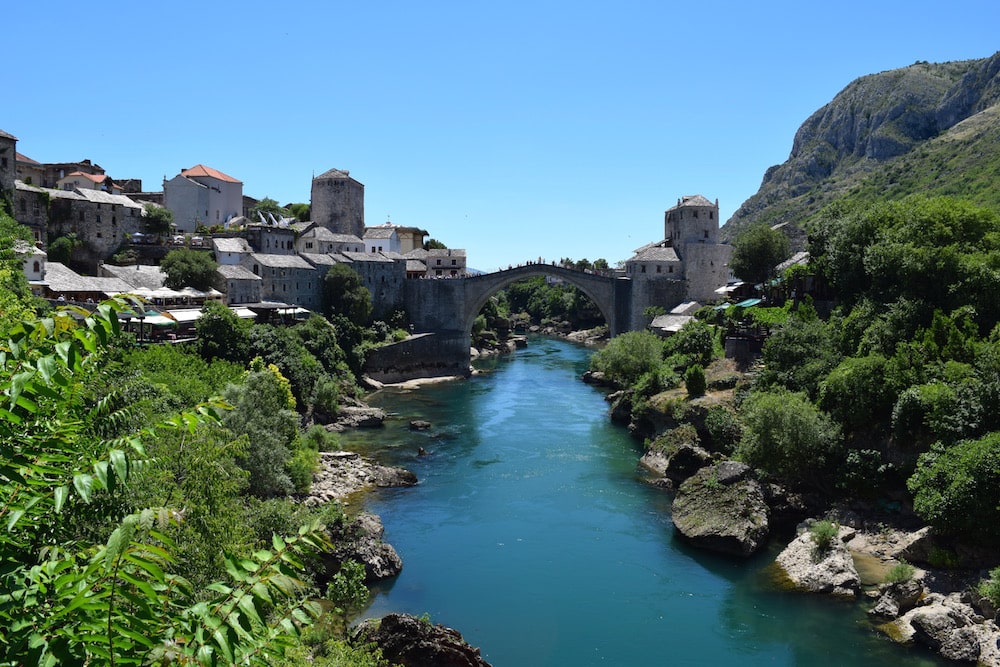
(696, 214)
(671, 269)
(98, 219)
(454, 262)
(711, 214)
(643, 268)
(3, 162)
(309, 245)
(256, 270)
(24, 206)
(439, 262)
(37, 266)
(658, 267)
(98, 235)
(706, 233)
(81, 216)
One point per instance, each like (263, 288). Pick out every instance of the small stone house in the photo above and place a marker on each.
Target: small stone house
(241, 284)
(202, 195)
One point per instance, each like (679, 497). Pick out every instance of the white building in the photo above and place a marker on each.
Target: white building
(203, 196)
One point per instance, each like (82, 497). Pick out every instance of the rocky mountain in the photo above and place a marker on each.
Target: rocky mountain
(930, 128)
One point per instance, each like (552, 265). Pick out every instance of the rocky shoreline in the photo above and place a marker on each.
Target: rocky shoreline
(720, 505)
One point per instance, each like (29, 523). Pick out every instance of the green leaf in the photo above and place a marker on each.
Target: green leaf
(15, 515)
(119, 463)
(60, 494)
(101, 471)
(84, 485)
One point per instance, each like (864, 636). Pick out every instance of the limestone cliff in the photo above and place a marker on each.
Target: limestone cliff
(888, 135)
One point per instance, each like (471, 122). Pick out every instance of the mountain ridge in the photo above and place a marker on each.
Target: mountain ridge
(932, 128)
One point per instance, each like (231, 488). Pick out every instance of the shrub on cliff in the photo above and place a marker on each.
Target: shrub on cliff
(787, 436)
(628, 356)
(957, 490)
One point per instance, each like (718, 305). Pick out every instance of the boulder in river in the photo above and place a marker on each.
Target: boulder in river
(946, 624)
(361, 540)
(412, 642)
(722, 508)
(816, 569)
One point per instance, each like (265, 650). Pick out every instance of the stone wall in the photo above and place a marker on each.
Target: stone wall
(706, 268)
(435, 305)
(439, 354)
(652, 291)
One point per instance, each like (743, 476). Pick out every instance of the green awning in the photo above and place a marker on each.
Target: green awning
(746, 303)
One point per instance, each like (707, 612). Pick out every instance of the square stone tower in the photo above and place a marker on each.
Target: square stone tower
(338, 203)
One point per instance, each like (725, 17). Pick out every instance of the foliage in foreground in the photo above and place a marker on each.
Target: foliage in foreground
(70, 601)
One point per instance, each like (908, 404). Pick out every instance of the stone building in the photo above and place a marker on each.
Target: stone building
(241, 285)
(337, 202)
(30, 171)
(321, 240)
(202, 196)
(286, 279)
(99, 219)
(381, 239)
(8, 164)
(688, 264)
(31, 208)
(79, 180)
(270, 238)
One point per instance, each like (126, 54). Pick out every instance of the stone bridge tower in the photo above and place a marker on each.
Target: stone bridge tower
(338, 203)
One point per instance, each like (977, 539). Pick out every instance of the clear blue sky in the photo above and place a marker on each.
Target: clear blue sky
(512, 129)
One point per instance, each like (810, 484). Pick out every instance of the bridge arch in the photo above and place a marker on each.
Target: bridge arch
(598, 288)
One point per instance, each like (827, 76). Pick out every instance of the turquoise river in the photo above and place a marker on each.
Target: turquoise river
(533, 534)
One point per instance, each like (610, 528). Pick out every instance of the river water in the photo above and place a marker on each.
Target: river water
(533, 534)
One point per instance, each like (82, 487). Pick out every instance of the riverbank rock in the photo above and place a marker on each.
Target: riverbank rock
(412, 642)
(352, 416)
(677, 464)
(361, 540)
(722, 508)
(419, 425)
(830, 570)
(946, 624)
(342, 473)
(896, 599)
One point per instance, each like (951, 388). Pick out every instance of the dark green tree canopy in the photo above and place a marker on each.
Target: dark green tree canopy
(158, 219)
(186, 267)
(345, 294)
(268, 206)
(756, 251)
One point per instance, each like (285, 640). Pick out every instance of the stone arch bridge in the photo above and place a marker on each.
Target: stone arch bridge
(442, 312)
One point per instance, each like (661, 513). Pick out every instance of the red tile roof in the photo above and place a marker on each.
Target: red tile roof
(202, 170)
(20, 157)
(89, 177)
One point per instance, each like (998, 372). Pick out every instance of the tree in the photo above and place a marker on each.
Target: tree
(299, 211)
(68, 600)
(756, 251)
(186, 267)
(159, 219)
(957, 489)
(787, 436)
(434, 244)
(264, 412)
(222, 335)
(15, 294)
(268, 206)
(61, 250)
(628, 356)
(345, 294)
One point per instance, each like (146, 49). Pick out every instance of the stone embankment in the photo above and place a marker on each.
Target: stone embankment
(342, 474)
(413, 642)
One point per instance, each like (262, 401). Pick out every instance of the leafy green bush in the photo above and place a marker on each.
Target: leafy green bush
(786, 435)
(900, 572)
(957, 489)
(71, 600)
(822, 533)
(723, 427)
(989, 588)
(626, 357)
(694, 380)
